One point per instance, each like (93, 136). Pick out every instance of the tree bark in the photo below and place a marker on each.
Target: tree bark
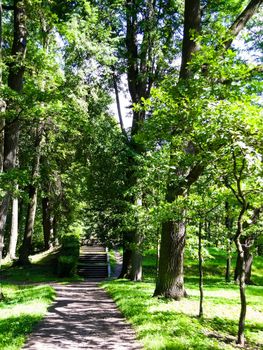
(118, 104)
(242, 20)
(242, 284)
(201, 272)
(228, 224)
(248, 260)
(126, 260)
(47, 222)
(32, 206)
(170, 282)
(164, 284)
(140, 73)
(14, 230)
(15, 82)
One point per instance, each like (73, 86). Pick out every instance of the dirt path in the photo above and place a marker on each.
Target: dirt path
(82, 317)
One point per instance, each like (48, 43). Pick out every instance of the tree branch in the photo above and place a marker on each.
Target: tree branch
(242, 20)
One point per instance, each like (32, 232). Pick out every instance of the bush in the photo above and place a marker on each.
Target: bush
(69, 255)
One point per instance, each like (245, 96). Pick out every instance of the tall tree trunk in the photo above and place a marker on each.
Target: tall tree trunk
(228, 224)
(135, 273)
(15, 82)
(171, 241)
(32, 205)
(14, 229)
(170, 282)
(201, 272)
(228, 262)
(140, 72)
(242, 284)
(47, 222)
(118, 103)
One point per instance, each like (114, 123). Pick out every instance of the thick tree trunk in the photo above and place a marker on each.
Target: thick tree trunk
(136, 255)
(136, 265)
(47, 222)
(127, 253)
(170, 282)
(140, 72)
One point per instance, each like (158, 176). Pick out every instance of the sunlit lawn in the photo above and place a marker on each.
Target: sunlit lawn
(26, 299)
(21, 310)
(167, 324)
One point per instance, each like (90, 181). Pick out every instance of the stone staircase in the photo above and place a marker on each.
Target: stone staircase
(93, 262)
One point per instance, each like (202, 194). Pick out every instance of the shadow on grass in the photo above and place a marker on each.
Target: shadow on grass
(165, 329)
(13, 330)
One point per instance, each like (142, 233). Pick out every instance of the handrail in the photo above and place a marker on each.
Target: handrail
(108, 261)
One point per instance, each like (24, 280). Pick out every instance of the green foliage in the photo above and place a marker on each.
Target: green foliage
(69, 255)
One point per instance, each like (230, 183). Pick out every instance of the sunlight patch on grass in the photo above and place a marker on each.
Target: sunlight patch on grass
(168, 324)
(22, 308)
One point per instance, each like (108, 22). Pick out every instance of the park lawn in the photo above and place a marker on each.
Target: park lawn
(23, 307)
(27, 296)
(168, 324)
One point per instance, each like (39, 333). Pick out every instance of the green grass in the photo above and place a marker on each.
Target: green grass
(167, 324)
(22, 308)
(26, 298)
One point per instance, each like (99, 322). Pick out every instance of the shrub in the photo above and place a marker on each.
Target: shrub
(69, 255)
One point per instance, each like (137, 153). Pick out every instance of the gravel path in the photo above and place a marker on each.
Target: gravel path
(83, 316)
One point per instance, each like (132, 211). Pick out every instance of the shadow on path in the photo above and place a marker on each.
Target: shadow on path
(82, 317)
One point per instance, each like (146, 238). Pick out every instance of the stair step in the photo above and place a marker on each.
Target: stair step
(93, 262)
(92, 249)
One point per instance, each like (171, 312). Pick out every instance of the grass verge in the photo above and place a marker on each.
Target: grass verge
(168, 324)
(27, 296)
(22, 308)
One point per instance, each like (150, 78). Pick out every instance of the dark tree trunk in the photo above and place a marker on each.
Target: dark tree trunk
(228, 264)
(140, 72)
(25, 249)
(242, 284)
(32, 205)
(171, 235)
(126, 260)
(201, 272)
(170, 282)
(118, 104)
(248, 260)
(47, 222)
(15, 82)
(228, 224)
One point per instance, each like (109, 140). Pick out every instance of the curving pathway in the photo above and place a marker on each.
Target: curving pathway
(83, 316)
